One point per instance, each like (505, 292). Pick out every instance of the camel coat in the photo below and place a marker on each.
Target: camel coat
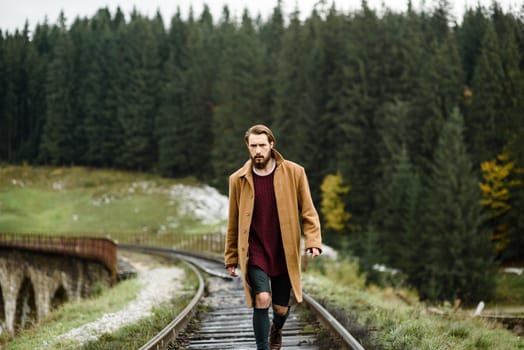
(296, 214)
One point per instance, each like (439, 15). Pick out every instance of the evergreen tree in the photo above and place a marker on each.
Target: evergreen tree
(172, 123)
(44, 39)
(59, 143)
(3, 83)
(159, 32)
(513, 84)
(515, 218)
(35, 63)
(200, 78)
(440, 85)
(138, 101)
(396, 222)
(4, 130)
(515, 145)
(407, 183)
(369, 256)
(469, 36)
(438, 23)
(512, 46)
(289, 116)
(458, 262)
(186, 115)
(483, 118)
(324, 45)
(8, 103)
(395, 129)
(309, 59)
(396, 125)
(101, 92)
(239, 95)
(271, 34)
(358, 96)
(20, 66)
(86, 93)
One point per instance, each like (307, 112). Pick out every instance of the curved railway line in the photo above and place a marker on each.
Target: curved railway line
(225, 321)
(222, 319)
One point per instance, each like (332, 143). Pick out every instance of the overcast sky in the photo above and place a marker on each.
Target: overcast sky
(14, 13)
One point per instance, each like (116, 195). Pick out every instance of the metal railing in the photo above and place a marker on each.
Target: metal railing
(99, 249)
(104, 249)
(206, 243)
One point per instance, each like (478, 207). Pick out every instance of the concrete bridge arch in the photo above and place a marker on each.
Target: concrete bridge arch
(34, 283)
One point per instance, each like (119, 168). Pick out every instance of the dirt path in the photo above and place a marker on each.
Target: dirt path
(159, 284)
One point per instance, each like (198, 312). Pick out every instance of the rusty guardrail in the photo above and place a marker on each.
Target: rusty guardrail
(100, 249)
(104, 250)
(197, 242)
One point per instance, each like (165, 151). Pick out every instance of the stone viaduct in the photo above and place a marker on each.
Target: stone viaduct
(36, 278)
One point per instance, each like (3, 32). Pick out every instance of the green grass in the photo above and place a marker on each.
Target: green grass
(73, 315)
(82, 201)
(135, 335)
(78, 200)
(379, 318)
(510, 290)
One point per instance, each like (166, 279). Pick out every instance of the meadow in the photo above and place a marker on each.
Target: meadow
(82, 201)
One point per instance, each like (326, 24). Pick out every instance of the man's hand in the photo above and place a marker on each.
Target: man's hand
(314, 252)
(232, 271)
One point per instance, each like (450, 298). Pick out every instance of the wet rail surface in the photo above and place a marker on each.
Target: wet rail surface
(225, 322)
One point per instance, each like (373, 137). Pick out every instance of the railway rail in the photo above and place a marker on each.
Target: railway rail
(227, 323)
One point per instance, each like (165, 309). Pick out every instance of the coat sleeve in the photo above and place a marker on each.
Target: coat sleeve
(231, 245)
(309, 215)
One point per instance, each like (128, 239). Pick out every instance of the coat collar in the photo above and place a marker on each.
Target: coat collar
(247, 169)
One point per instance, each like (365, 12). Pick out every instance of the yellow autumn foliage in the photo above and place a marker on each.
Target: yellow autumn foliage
(332, 205)
(498, 181)
(495, 186)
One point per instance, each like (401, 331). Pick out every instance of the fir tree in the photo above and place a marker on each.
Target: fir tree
(397, 220)
(200, 77)
(239, 95)
(4, 127)
(271, 36)
(289, 116)
(483, 118)
(357, 96)
(469, 36)
(171, 126)
(138, 100)
(59, 144)
(458, 259)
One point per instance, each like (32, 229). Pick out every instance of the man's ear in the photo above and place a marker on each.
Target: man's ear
(271, 144)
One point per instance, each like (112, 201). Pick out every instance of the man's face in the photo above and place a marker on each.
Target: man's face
(259, 149)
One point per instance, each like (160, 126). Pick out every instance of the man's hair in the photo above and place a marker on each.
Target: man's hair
(258, 130)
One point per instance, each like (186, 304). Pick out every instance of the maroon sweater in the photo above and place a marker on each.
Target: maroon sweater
(265, 239)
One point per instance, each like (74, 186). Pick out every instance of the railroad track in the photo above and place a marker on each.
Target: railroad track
(225, 321)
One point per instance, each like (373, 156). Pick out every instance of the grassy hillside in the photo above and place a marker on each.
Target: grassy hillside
(79, 200)
(394, 319)
(103, 202)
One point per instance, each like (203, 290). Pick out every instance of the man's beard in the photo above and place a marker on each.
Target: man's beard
(259, 163)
